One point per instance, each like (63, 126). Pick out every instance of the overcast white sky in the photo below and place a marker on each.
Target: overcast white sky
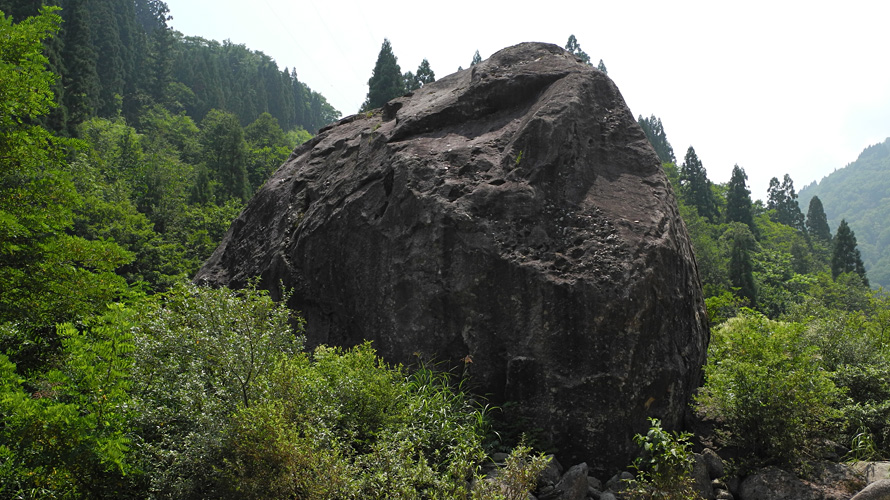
(796, 87)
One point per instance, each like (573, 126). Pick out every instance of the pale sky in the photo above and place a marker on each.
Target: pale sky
(797, 87)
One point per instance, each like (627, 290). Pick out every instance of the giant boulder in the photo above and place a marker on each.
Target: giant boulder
(510, 219)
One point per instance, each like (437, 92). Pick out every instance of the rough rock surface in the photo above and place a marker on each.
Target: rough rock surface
(829, 481)
(878, 490)
(512, 215)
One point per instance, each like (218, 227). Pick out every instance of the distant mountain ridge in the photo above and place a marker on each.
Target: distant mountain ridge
(860, 194)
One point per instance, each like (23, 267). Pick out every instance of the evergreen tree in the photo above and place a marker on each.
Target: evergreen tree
(695, 187)
(845, 256)
(476, 59)
(602, 67)
(741, 270)
(424, 73)
(110, 61)
(387, 81)
(224, 152)
(574, 48)
(817, 222)
(410, 82)
(738, 199)
(783, 199)
(423, 76)
(152, 16)
(654, 131)
(81, 79)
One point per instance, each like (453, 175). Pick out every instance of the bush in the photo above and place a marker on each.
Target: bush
(516, 479)
(665, 469)
(342, 424)
(64, 432)
(766, 387)
(201, 354)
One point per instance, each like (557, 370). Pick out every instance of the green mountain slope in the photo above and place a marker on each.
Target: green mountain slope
(860, 194)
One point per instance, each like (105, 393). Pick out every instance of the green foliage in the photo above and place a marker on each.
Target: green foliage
(766, 386)
(201, 354)
(476, 59)
(344, 424)
(738, 200)
(741, 271)
(665, 468)
(845, 256)
(47, 275)
(654, 131)
(783, 201)
(65, 432)
(817, 222)
(424, 73)
(574, 48)
(857, 193)
(224, 154)
(696, 188)
(267, 148)
(602, 67)
(724, 306)
(515, 479)
(386, 81)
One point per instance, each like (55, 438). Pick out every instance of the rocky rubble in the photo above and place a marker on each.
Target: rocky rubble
(828, 481)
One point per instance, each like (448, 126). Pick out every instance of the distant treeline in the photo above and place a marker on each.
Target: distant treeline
(117, 58)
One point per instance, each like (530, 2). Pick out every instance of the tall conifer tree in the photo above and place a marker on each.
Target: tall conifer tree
(654, 131)
(783, 199)
(738, 199)
(424, 73)
(696, 187)
(476, 59)
(741, 270)
(817, 222)
(80, 78)
(845, 256)
(387, 81)
(574, 48)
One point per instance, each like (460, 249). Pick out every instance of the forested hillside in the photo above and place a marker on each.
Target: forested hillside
(116, 58)
(860, 194)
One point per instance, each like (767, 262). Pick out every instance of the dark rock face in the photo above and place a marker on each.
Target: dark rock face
(513, 213)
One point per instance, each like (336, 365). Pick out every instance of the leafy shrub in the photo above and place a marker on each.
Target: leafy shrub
(65, 432)
(665, 469)
(516, 479)
(344, 424)
(201, 353)
(766, 387)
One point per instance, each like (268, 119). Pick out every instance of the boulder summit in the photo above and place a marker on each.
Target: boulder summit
(511, 220)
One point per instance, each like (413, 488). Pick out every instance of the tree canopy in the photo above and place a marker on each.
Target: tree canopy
(738, 199)
(845, 257)
(696, 186)
(386, 81)
(817, 222)
(654, 131)
(574, 48)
